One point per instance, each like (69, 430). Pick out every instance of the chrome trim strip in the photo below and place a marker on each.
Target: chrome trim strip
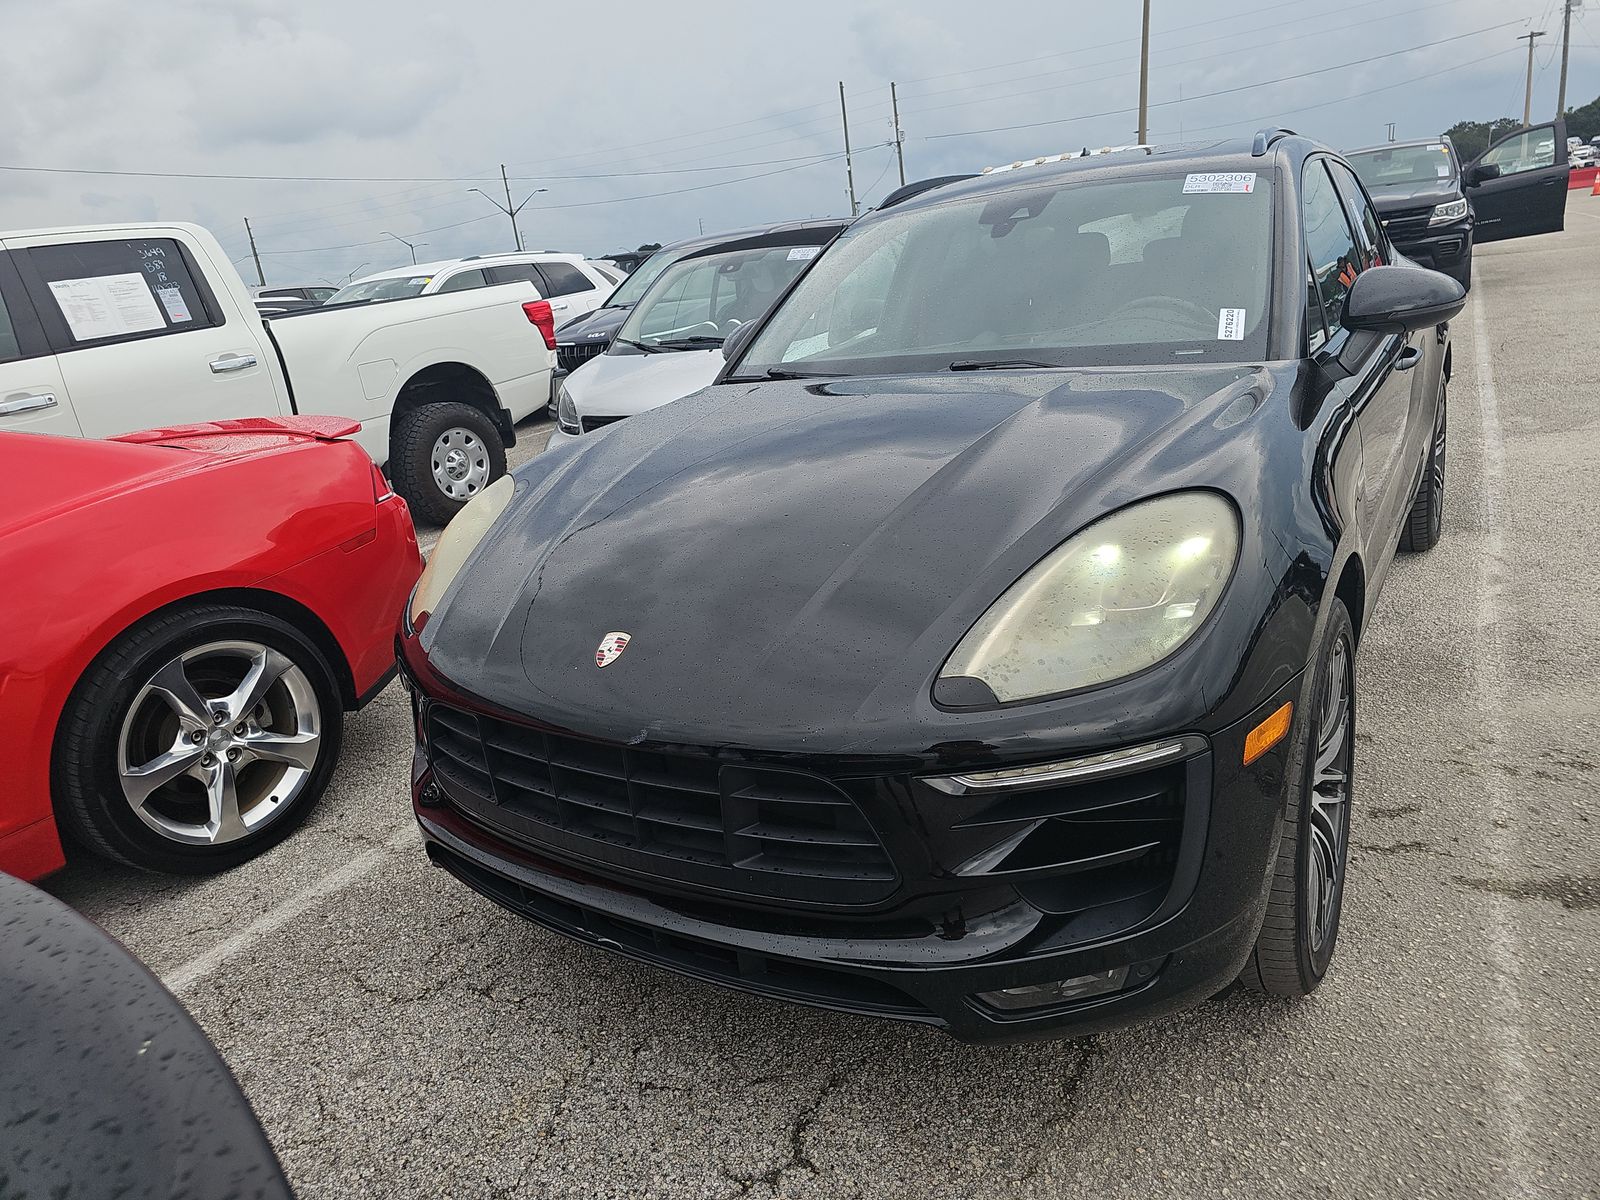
(1072, 770)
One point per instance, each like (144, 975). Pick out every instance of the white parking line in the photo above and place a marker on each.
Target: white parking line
(1506, 1024)
(180, 980)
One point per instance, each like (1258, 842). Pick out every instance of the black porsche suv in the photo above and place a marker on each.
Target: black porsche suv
(979, 649)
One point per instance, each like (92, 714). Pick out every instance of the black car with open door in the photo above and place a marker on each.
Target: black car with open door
(979, 649)
(1518, 186)
(1420, 197)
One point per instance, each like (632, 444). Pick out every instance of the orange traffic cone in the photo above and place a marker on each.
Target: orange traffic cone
(1596, 191)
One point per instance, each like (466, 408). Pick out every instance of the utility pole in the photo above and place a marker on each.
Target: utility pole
(261, 280)
(1566, 42)
(1527, 95)
(507, 207)
(411, 246)
(849, 168)
(1144, 77)
(899, 138)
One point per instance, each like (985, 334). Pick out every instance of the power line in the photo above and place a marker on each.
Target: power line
(1227, 91)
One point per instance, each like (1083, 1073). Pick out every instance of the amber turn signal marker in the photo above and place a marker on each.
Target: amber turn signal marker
(1267, 734)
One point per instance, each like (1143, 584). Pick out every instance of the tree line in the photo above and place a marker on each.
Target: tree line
(1472, 138)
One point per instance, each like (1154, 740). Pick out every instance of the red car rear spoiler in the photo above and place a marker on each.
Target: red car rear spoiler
(317, 428)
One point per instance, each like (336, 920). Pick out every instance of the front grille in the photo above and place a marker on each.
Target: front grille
(793, 979)
(590, 424)
(683, 815)
(1406, 223)
(572, 355)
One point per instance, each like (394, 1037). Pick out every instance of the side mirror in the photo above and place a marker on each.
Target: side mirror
(735, 341)
(1402, 299)
(1482, 173)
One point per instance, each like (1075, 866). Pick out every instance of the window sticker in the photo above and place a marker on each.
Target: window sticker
(172, 300)
(1242, 182)
(803, 253)
(1230, 325)
(103, 306)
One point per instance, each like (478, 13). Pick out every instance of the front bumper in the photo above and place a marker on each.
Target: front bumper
(962, 902)
(1445, 248)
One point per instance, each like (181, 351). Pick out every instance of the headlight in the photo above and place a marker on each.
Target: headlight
(456, 544)
(1451, 210)
(566, 411)
(1115, 599)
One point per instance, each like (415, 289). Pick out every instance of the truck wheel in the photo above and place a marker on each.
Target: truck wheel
(197, 740)
(1301, 927)
(443, 455)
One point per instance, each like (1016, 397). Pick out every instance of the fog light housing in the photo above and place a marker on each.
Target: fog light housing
(1062, 991)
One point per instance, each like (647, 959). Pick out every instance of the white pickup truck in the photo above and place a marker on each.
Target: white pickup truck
(108, 329)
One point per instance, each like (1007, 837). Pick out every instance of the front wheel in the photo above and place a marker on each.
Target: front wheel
(443, 454)
(197, 740)
(1301, 927)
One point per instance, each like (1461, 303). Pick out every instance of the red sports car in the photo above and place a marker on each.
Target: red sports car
(188, 613)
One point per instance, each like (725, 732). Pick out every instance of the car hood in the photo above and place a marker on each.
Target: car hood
(1400, 196)
(621, 385)
(794, 561)
(598, 326)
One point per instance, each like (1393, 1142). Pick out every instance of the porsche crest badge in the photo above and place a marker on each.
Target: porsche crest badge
(610, 648)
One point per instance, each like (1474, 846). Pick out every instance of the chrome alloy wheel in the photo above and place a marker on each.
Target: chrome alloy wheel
(1329, 810)
(219, 742)
(460, 463)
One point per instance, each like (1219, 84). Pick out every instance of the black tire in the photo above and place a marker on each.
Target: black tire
(1426, 518)
(411, 460)
(86, 779)
(1301, 928)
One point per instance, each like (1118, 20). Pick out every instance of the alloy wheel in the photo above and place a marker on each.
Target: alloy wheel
(1329, 809)
(219, 742)
(460, 463)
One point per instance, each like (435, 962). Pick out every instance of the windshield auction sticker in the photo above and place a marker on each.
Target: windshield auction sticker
(1220, 181)
(1230, 325)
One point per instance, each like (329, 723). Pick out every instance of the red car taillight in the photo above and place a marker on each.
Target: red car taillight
(542, 315)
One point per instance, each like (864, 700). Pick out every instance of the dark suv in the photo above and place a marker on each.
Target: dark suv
(1433, 208)
(1417, 188)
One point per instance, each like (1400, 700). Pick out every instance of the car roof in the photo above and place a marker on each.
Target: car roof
(1406, 145)
(1269, 149)
(821, 225)
(471, 261)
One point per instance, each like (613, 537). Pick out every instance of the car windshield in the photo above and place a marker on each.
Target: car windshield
(1403, 166)
(635, 285)
(1116, 271)
(699, 301)
(394, 287)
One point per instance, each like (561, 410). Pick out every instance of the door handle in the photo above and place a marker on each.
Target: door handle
(232, 362)
(21, 402)
(1409, 357)
(560, 306)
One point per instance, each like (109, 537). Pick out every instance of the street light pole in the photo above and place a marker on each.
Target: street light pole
(1527, 95)
(1144, 77)
(411, 246)
(507, 206)
(356, 272)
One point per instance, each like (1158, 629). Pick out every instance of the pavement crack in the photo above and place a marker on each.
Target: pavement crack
(799, 1157)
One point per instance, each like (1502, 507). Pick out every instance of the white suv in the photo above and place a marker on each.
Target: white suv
(571, 283)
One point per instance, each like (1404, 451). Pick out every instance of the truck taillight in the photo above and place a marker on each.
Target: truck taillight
(542, 315)
(381, 490)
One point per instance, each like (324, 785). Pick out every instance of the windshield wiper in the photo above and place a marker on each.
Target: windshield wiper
(790, 373)
(694, 341)
(995, 364)
(641, 346)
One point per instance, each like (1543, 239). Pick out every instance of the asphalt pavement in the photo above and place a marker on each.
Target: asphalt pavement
(400, 1036)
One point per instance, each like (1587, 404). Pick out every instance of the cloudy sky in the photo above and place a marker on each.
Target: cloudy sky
(643, 120)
